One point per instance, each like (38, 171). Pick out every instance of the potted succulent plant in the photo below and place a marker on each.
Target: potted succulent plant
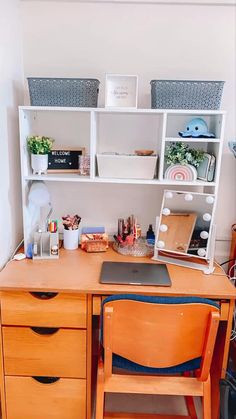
(180, 154)
(39, 147)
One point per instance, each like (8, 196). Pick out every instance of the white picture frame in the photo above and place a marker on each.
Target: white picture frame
(121, 91)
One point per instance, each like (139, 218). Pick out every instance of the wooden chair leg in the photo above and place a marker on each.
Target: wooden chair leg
(190, 401)
(191, 407)
(206, 400)
(100, 392)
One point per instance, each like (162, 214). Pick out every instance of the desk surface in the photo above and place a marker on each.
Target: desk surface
(78, 271)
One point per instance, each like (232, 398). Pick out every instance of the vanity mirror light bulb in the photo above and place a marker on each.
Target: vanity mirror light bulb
(169, 195)
(163, 228)
(210, 199)
(201, 252)
(160, 244)
(188, 197)
(166, 211)
(204, 235)
(206, 217)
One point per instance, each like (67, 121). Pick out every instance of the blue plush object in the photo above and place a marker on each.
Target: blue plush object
(29, 251)
(197, 128)
(232, 147)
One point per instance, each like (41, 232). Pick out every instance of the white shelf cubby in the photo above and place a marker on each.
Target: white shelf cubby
(113, 130)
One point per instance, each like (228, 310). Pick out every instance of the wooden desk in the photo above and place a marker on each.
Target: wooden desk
(66, 350)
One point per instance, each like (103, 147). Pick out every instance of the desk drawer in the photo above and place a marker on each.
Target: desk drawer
(27, 398)
(44, 352)
(44, 309)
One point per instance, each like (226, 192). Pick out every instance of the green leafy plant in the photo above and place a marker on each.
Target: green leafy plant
(181, 153)
(39, 144)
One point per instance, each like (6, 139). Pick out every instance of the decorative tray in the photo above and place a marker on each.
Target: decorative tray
(139, 249)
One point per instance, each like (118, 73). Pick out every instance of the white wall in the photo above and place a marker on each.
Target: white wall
(74, 39)
(11, 95)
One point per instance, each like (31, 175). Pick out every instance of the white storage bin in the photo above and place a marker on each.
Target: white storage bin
(126, 167)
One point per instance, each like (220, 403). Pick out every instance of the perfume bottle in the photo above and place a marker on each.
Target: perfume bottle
(150, 236)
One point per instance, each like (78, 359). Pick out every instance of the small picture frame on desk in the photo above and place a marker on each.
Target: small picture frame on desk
(121, 91)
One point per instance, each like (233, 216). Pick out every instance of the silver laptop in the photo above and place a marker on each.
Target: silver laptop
(135, 274)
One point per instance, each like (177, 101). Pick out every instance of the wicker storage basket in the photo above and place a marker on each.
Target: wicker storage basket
(94, 242)
(63, 92)
(186, 94)
(95, 246)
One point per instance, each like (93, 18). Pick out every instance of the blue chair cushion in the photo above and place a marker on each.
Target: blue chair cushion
(123, 363)
(161, 300)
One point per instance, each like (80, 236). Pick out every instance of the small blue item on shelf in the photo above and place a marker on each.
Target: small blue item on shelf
(196, 128)
(232, 147)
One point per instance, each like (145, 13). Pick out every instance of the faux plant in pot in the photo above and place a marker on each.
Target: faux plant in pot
(183, 161)
(39, 147)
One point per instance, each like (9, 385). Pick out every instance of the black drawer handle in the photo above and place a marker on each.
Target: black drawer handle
(44, 295)
(45, 330)
(46, 380)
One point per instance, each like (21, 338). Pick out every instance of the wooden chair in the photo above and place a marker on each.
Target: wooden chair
(168, 343)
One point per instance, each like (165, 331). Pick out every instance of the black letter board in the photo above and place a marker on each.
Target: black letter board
(64, 160)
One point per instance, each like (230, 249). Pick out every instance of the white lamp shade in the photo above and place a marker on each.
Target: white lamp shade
(39, 194)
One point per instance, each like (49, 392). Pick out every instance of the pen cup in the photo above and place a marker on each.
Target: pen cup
(71, 239)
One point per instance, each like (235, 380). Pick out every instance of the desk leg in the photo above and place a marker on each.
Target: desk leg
(2, 379)
(95, 356)
(220, 360)
(89, 356)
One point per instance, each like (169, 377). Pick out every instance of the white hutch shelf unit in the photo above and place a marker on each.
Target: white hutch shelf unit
(116, 130)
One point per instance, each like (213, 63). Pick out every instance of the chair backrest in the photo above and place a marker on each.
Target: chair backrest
(159, 332)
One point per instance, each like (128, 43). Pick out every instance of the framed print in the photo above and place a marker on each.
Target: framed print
(121, 91)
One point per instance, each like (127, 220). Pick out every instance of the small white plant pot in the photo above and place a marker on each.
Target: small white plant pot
(39, 163)
(71, 239)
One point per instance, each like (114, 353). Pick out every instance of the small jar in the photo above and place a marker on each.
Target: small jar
(54, 250)
(84, 165)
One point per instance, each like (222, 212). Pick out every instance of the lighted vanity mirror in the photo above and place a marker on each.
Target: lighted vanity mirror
(185, 224)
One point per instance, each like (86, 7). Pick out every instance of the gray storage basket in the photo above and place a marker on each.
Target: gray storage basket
(186, 94)
(63, 92)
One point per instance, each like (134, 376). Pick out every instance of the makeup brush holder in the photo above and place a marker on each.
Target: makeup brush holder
(71, 239)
